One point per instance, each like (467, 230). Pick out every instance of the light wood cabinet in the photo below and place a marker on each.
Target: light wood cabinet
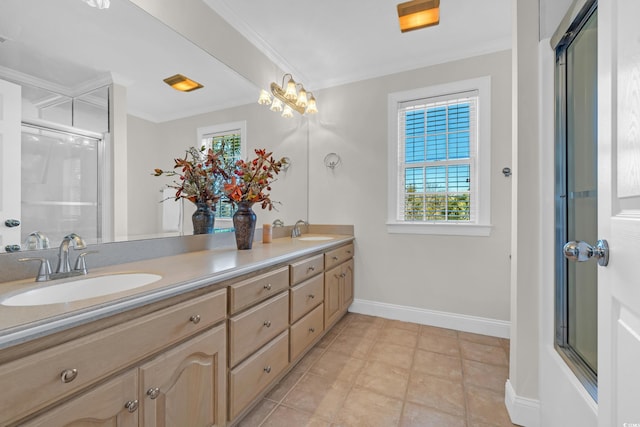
(113, 404)
(253, 290)
(306, 331)
(186, 386)
(338, 292)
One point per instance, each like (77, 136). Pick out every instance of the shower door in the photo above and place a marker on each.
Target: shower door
(576, 196)
(61, 185)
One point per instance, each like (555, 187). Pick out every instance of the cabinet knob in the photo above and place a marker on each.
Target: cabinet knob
(267, 369)
(343, 275)
(195, 319)
(335, 258)
(312, 268)
(132, 405)
(153, 392)
(312, 296)
(349, 252)
(68, 375)
(312, 330)
(268, 286)
(267, 323)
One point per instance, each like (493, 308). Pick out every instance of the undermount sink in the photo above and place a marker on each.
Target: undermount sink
(81, 289)
(315, 238)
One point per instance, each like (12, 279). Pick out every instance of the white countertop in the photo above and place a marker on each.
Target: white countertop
(180, 274)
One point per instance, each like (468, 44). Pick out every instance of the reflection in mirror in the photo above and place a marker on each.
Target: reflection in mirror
(65, 56)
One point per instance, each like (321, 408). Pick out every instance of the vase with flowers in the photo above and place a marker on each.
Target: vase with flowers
(249, 184)
(200, 179)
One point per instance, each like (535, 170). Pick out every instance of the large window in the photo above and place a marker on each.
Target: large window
(231, 136)
(436, 149)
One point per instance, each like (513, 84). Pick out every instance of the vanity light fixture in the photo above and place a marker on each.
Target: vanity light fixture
(416, 14)
(100, 4)
(182, 83)
(294, 97)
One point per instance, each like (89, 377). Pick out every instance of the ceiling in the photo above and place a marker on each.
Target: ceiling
(67, 46)
(331, 42)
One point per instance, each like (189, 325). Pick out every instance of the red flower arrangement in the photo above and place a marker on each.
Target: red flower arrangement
(251, 180)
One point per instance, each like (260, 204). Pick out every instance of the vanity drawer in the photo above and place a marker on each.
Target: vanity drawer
(256, 289)
(305, 296)
(249, 378)
(252, 329)
(302, 270)
(338, 256)
(306, 330)
(38, 380)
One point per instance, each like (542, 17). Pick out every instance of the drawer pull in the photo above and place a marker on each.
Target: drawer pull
(312, 268)
(268, 286)
(195, 319)
(153, 392)
(312, 296)
(267, 323)
(267, 369)
(335, 258)
(349, 252)
(132, 405)
(312, 330)
(68, 375)
(343, 275)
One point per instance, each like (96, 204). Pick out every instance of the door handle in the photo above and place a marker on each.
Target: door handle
(579, 251)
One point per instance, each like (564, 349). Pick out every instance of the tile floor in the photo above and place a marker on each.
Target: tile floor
(368, 371)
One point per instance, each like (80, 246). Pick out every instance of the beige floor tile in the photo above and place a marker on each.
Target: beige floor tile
(479, 339)
(420, 416)
(363, 318)
(398, 324)
(440, 344)
(327, 339)
(433, 330)
(438, 393)
(258, 414)
(483, 353)
(318, 395)
(486, 406)
(484, 375)
(352, 346)
(289, 417)
(399, 337)
(384, 379)
(310, 358)
(366, 408)
(392, 354)
(437, 364)
(337, 365)
(285, 385)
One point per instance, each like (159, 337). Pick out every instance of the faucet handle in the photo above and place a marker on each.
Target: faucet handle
(45, 268)
(81, 264)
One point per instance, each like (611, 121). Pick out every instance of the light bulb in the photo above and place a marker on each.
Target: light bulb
(288, 112)
(291, 90)
(276, 105)
(312, 108)
(302, 98)
(264, 98)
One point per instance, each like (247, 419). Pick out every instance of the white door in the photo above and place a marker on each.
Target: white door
(619, 213)
(10, 113)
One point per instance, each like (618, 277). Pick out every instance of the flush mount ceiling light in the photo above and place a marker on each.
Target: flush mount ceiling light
(417, 14)
(182, 83)
(100, 4)
(293, 97)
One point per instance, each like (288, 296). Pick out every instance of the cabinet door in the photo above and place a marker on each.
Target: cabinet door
(332, 297)
(186, 386)
(347, 284)
(112, 404)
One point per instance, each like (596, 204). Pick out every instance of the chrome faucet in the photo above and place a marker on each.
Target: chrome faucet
(36, 240)
(63, 253)
(295, 232)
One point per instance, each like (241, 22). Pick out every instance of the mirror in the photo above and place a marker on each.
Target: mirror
(67, 49)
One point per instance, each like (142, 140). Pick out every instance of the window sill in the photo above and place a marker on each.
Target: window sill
(439, 229)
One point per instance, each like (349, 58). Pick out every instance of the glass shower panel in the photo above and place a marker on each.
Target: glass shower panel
(582, 189)
(60, 191)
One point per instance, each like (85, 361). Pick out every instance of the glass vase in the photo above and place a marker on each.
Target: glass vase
(203, 219)
(244, 223)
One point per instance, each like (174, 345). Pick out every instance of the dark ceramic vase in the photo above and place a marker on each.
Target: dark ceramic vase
(244, 223)
(203, 219)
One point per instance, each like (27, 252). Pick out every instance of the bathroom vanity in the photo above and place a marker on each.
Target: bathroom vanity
(198, 347)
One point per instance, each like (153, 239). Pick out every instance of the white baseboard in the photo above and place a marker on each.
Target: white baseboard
(441, 319)
(523, 411)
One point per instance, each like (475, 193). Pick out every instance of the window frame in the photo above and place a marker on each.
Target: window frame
(480, 180)
(222, 128)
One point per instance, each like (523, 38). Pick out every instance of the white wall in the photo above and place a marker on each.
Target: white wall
(453, 274)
